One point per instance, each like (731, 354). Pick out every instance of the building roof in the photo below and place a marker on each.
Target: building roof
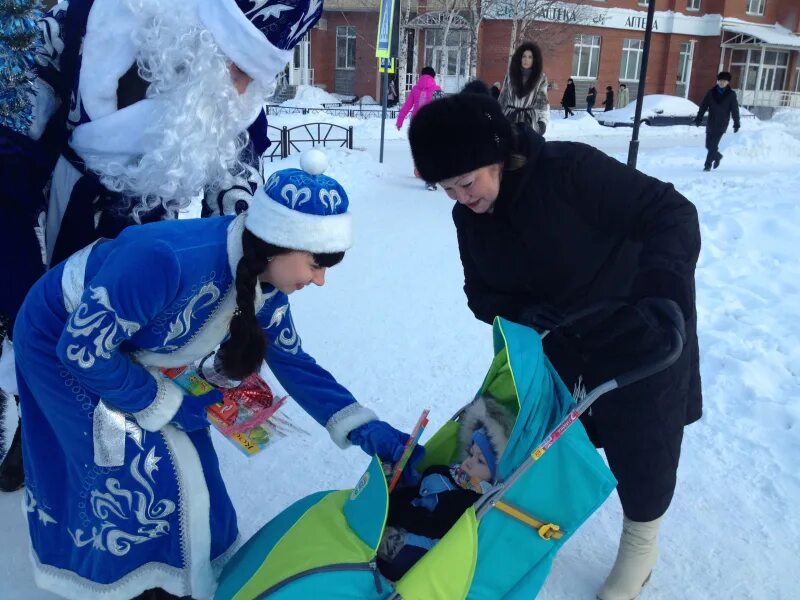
(772, 35)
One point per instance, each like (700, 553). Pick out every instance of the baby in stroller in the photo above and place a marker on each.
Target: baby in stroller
(420, 515)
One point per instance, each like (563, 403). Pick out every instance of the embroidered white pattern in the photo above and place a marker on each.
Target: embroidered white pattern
(32, 506)
(330, 199)
(295, 197)
(139, 508)
(183, 324)
(287, 339)
(277, 316)
(83, 324)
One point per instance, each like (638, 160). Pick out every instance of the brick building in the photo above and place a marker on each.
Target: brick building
(596, 42)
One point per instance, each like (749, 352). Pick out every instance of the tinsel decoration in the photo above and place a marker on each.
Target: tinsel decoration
(19, 38)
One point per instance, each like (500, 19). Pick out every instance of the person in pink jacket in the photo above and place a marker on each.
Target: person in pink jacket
(425, 90)
(422, 93)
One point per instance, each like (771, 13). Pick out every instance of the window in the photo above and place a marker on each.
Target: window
(745, 67)
(797, 79)
(345, 47)
(684, 63)
(642, 2)
(692, 4)
(755, 7)
(586, 56)
(631, 61)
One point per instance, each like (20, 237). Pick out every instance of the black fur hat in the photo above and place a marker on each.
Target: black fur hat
(458, 134)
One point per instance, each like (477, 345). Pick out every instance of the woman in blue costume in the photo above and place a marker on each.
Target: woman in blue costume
(124, 491)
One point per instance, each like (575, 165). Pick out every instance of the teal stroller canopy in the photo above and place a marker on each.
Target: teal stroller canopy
(550, 480)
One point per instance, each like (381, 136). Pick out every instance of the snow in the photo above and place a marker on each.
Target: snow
(653, 105)
(392, 324)
(309, 96)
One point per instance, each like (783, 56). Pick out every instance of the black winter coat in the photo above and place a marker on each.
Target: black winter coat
(573, 227)
(568, 99)
(720, 107)
(609, 101)
(434, 524)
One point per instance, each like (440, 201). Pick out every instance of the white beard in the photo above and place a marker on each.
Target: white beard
(197, 141)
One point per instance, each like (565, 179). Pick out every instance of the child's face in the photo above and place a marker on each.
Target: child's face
(475, 464)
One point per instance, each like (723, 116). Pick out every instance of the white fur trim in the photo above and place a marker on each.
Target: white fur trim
(108, 51)
(163, 407)
(277, 224)
(64, 178)
(195, 521)
(195, 530)
(8, 372)
(122, 133)
(241, 41)
(486, 412)
(343, 422)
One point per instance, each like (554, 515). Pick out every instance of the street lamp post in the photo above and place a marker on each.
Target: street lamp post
(633, 149)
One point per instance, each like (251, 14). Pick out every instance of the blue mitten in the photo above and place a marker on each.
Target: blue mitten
(378, 437)
(191, 414)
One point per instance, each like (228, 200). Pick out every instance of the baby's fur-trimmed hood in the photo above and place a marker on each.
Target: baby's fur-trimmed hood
(486, 412)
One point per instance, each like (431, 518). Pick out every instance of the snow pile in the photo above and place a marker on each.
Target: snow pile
(761, 146)
(789, 117)
(654, 105)
(367, 100)
(309, 96)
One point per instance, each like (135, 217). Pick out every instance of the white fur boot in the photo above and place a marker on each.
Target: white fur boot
(635, 560)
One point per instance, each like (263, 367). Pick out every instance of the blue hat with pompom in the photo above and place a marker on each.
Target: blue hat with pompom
(302, 209)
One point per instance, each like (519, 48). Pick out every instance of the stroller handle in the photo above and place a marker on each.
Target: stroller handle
(670, 312)
(672, 316)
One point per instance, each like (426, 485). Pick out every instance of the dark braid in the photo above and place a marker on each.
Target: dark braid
(243, 352)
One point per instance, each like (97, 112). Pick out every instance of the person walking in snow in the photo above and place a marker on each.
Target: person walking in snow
(722, 106)
(425, 90)
(547, 229)
(591, 98)
(623, 96)
(568, 98)
(523, 96)
(391, 98)
(140, 106)
(124, 490)
(609, 101)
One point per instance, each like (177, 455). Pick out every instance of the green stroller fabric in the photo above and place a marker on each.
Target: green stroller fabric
(505, 551)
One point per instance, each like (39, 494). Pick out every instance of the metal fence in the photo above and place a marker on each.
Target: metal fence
(292, 139)
(356, 111)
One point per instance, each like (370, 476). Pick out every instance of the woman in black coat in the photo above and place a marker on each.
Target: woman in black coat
(568, 98)
(609, 101)
(550, 228)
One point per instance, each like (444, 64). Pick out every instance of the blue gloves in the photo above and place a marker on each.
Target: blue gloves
(378, 437)
(191, 414)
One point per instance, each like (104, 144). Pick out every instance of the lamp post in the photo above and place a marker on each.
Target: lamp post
(633, 148)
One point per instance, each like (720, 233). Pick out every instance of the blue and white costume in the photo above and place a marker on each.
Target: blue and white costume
(88, 340)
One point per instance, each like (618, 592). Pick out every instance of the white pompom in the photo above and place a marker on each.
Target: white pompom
(313, 162)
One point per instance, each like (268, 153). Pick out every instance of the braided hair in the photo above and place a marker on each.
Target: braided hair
(243, 352)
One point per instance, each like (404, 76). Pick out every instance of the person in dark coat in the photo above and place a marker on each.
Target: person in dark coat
(568, 98)
(722, 105)
(591, 98)
(609, 101)
(547, 229)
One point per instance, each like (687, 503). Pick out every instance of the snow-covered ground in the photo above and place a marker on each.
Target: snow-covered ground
(392, 324)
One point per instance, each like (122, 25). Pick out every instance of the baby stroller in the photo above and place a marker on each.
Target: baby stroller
(550, 480)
